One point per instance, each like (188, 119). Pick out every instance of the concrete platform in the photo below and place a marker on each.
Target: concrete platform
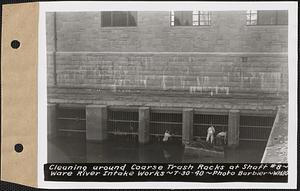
(252, 102)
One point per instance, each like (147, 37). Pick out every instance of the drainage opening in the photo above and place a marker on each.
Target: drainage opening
(71, 121)
(160, 122)
(123, 125)
(255, 128)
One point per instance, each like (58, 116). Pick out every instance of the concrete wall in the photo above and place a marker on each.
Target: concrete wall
(205, 60)
(213, 74)
(228, 33)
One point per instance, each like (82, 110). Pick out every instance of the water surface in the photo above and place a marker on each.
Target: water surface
(74, 148)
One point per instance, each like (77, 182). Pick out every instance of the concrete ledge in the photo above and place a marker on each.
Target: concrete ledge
(203, 103)
(177, 53)
(277, 146)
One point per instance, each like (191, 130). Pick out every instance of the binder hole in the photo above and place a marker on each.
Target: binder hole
(18, 148)
(15, 44)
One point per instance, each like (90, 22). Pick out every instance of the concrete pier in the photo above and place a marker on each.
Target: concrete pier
(233, 128)
(51, 120)
(96, 122)
(143, 130)
(187, 125)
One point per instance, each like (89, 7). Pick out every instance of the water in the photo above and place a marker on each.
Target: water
(74, 148)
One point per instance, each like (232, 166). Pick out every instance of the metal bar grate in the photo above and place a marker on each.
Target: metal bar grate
(202, 122)
(160, 122)
(255, 128)
(71, 120)
(123, 125)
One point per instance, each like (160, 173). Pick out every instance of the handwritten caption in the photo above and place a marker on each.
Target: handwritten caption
(88, 172)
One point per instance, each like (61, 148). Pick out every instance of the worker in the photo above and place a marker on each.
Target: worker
(167, 135)
(221, 138)
(166, 146)
(210, 134)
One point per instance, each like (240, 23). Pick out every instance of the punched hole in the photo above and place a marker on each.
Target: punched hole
(15, 44)
(18, 148)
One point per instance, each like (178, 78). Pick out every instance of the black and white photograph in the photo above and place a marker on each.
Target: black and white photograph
(168, 86)
(178, 86)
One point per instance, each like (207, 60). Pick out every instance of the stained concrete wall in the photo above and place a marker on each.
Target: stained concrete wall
(82, 31)
(205, 60)
(213, 74)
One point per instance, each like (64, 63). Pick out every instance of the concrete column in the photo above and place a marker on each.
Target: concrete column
(187, 125)
(233, 128)
(96, 122)
(51, 120)
(144, 118)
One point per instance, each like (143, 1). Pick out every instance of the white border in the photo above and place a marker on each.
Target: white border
(166, 6)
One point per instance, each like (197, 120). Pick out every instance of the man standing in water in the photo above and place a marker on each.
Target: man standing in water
(167, 135)
(167, 154)
(210, 134)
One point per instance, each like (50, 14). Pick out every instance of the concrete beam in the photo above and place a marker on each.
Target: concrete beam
(143, 130)
(51, 121)
(233, 128)
(96, 122)
(187, 125)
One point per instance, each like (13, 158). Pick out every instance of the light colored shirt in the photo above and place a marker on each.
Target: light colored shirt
(166, 136)
(211, 130)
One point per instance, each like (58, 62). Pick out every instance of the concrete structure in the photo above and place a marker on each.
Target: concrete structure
(226, 66)
(51, 122)
(225, 59)
(143, 131)
(96, 122)
(187, 126)
(233, 128)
